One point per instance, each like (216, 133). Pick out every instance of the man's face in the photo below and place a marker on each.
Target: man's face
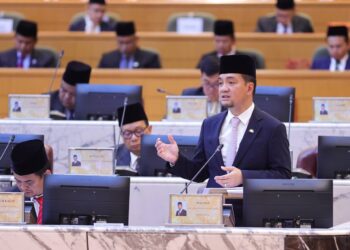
(24, 44)
(179, 206)
(337, 47)
(284, 16)
(210, 86)
(234, 92)
(67, 95)
(31, 184)
(96, 12)
(75, 158)
(127, 44)
(223, 44)
(132, 135)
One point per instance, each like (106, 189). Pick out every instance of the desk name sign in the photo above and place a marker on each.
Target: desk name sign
(187, 108)
(196, 209)
(11, 207)
(91, 161)
(33, 107)
(331, 109)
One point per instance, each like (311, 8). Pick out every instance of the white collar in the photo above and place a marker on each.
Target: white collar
(243, 117)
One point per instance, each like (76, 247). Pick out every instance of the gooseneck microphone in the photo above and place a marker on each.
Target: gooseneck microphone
(120, 126)
(290, 113)
(56, 68)
(218, 149)
(11, 140)
(163, 91)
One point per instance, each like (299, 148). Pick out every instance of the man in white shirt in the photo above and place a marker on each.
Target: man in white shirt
(95, 19)
(132, 125)
(338, 51)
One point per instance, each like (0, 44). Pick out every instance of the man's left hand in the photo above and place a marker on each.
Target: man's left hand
(233, 177)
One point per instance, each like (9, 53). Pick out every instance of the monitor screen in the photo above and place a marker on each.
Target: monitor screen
(277, 101)
(151, 164)
(100, 102)
(333, 158)
(299, 203)
(84, 200)
(5, 162)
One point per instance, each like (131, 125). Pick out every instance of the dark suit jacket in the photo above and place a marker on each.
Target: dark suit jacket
(323, 63)
(144, 59)
(80, 26)
(55, 103)
(263, 153)
(214, 54)
(182, 213)
(39, 59)
(269, 24)
(123, 156)
(197, 92)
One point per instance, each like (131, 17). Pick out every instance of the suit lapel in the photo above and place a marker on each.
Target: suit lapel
(118, 57)
(137, 59)
(12, 60)
(253, 129)
(347, 66)
(216, 136)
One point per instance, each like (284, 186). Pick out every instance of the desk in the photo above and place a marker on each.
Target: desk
(152, 15)
(112, 237)
(307, 84)
(178, 51)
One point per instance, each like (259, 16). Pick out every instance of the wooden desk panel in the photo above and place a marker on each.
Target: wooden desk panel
(307, 84)
(152, 15)
(178, 51)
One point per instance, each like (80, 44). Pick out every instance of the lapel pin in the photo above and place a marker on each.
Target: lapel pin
(251, 131)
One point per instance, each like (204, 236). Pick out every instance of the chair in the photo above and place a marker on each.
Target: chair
(108, 17)
(208, 20)
(257, 55)
(307, 160)
(15, 16)
(321, 51)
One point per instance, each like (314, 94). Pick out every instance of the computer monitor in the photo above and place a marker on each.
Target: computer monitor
(333, 158)
(85, 199)
(151, 164)
(5, 162)
(100, 101)
(298, 203)
(277, 101)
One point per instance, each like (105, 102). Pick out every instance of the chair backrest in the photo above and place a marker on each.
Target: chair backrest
(189, 91)
(15, 16)
(307, 160)
(257, 55)
(321, 51)
(49, 50)
(109, 17)
(208, 20)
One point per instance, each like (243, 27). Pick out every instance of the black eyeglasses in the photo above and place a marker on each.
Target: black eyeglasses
(127, 134)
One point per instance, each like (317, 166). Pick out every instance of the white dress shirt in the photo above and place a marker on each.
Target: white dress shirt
(226, 132)
(89, 26)
(341, 65)
(26, 60)
(133, 160)
(281, 29)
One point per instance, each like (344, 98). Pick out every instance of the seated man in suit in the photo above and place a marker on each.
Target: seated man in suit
(225, 42)
(255, 144)
(95, 20)
(29, 165)
(285, 20)
(209, 68)
(62, 101)
(24, 55)
(128, 55)
(338, 50)
(132, 127)
(180, 210)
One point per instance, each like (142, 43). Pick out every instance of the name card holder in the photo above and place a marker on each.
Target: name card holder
(31, 107)
(196, 210)
(187, 108)
(12, 207)
(331, 109)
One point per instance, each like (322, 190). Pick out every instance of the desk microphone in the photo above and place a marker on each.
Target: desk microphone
(56, 68)
(163, 91)
(11, 140)
(289, 122)
(120, 127)
(218, 149)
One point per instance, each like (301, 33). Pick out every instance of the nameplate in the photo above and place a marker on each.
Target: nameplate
(196, 209)
(31, 107)
(6, 25)
(189, 25)
(187, 108)
(91, 161)
(331, 109)
(11, 207)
